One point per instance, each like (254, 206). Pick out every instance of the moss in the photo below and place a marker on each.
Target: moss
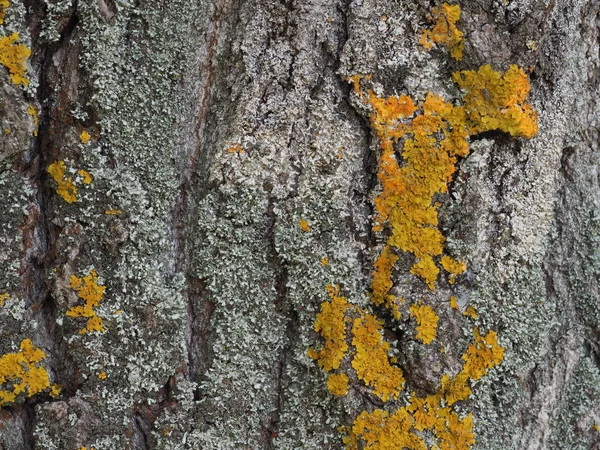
(14, 56)
(24, 372)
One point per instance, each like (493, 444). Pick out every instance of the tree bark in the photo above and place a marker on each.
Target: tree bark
(217, 127)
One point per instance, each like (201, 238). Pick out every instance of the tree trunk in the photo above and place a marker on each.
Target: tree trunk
(210, 164)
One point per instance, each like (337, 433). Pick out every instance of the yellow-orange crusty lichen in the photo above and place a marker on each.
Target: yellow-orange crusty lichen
(91, 293)
(85, 137)
(470, 312)
(380, 430)
(235, 148)
(66, 188)
(496, 101)
(102, 375)
(453, 302)
(4, 4)
(371, 362)
(23, 372)
(382, 277)
(453, 267)
(325, 261)
(427, 321)
(445, 31)
(14, 56)
(113, 212)
(55, 390)
(337, 383)
(86, 178)
(304, 226)
(483, 355)
(3, 298)
(331, 324)
(33, 113)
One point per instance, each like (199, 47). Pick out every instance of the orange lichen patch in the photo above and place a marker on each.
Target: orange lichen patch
(86, 177)
(380, 430)
(102, 375)
(325, 261)
(91, 293)
(235, 148)
(432, 141)
(470, 312)
(596, 427)
(453, 302)
(382, 276)
(66, 188)
(483, 355)
(33, 113)
(14, 57)
(113, 212)
(23, 371)
(3, 299)
(371, 361)
(331, 324)
(340, 153)
(445, 31)
(494, 101)
(452, 431)
(453, 267)
(427, 321)
(304, 226)
(85, 137)
(455, 389)
(6, 131)
(55, 390)
(4, 4)
(337, 383)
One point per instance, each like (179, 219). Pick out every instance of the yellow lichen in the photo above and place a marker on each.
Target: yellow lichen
(371, 362)
(470, 312)
(91, 293)
(304, 226)
(483, 355)
(55, 390)
(23, 372)
(453, 267)
(113, 212)
(380, 430)
(4, 298)
(235, 148)
(14, 56)
(85, 137)
(66, 188)
(427, 321)
(4, 4)
(325, 261)
(382, 282)
(33, 113)
(331, 324)
(86, 177)
(102, 375)
(453, 302)
(444, 31)
(494, 101)
(337, 383)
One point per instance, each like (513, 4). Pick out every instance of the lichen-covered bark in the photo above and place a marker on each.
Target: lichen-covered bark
(233, 176)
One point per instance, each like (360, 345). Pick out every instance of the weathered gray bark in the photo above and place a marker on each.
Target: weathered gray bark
(216, 284)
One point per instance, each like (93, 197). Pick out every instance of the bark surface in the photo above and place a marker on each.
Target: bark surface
(216, 128)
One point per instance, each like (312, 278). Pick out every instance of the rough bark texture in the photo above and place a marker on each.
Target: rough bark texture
(212, 288)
